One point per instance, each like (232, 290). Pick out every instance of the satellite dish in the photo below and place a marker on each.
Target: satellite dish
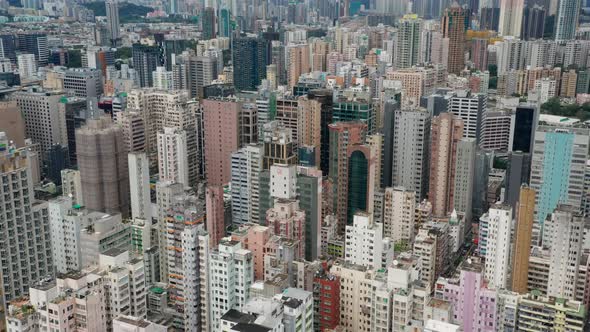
(395, 262)
(70, 195)
(468, 260)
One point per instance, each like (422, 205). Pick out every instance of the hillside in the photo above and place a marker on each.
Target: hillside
(128, 12)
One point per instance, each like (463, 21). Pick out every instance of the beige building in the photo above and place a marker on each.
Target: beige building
(399, 214)
(12, 122)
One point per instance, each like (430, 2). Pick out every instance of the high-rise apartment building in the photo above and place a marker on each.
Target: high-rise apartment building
(309, 193)
(287, 220)
(221, 136)
(408, 35)
(230, 281)
(410, 151)
(71, 185)
(216, 210)
(566, 19)
(24, 259)
(447, 131)
(188, 271)
(364, 242)
(209, 25)
(533, 22)
(202, 70)
(172, 156)
(522, 240)
(566, 228)
(399, 209)
(112, 10)
(246, 165)
(162, 78)
(497, 259)
(298, 62)
(134, 132)
(455, 21)
(27, 66)
(139, 186)
(511, 15)
(102, 160)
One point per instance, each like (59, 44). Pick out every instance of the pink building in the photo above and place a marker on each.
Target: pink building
(215, 214)
(286, 220)
(474, 305)
(582, 98)
(254, 238)
(447, 131)
(221, 135)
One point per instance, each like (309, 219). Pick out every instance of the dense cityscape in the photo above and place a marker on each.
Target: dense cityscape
(294, 165)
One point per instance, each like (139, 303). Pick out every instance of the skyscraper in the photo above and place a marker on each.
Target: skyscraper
(498, 246)
(112, 10)
(139, 186)
(145, 61)
(533, 22)
(447, 131)
(221, 135)
(25, 259)
(454, 25)
(361, 180)
(399, 209)
(511, 12)
(102, 160)
(208, 22)
(558, 169)
(250, 58)
(172, 156)
(464, 177)
(246, 165)
(566, 19)
(35, 43)
(522, 240)
(342, 136)
(408, 35)
(471, 108)
(410, 151)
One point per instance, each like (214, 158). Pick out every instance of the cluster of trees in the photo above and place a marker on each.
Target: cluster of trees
(128, 12)
(554, 107)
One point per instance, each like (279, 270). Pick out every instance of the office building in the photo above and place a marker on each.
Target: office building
(533, 22)
(24, 259)
(465, 177)
(471, 108)
(209, 25)
(342, 136)
(310, 195)
(34, 43)
(44, 123)
(146, 59)
(202, 70)
(559, 158)
(410, 151)
(324, 97)
(447, 131)
(523, 128)
(221, 136)
(162, 79)
(83, 82)
(522, 240)
(278, 145)
(455, 21)
(250, 57)
(361, 180)
(101, 151)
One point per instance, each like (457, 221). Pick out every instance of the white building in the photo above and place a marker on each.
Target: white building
(162, 78)
(245, 184)
(231, 274)
(172, 156)
(297, 309)
(71, 185)
(25, 244)
(139, 186)
(471, 108)
(134, 324)
(27, 66)
(497, 259)
(283, 181)
(545, 89)
(44, 122)
(567, 230)
(125, 287)
(399, 214)
(363, 243)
